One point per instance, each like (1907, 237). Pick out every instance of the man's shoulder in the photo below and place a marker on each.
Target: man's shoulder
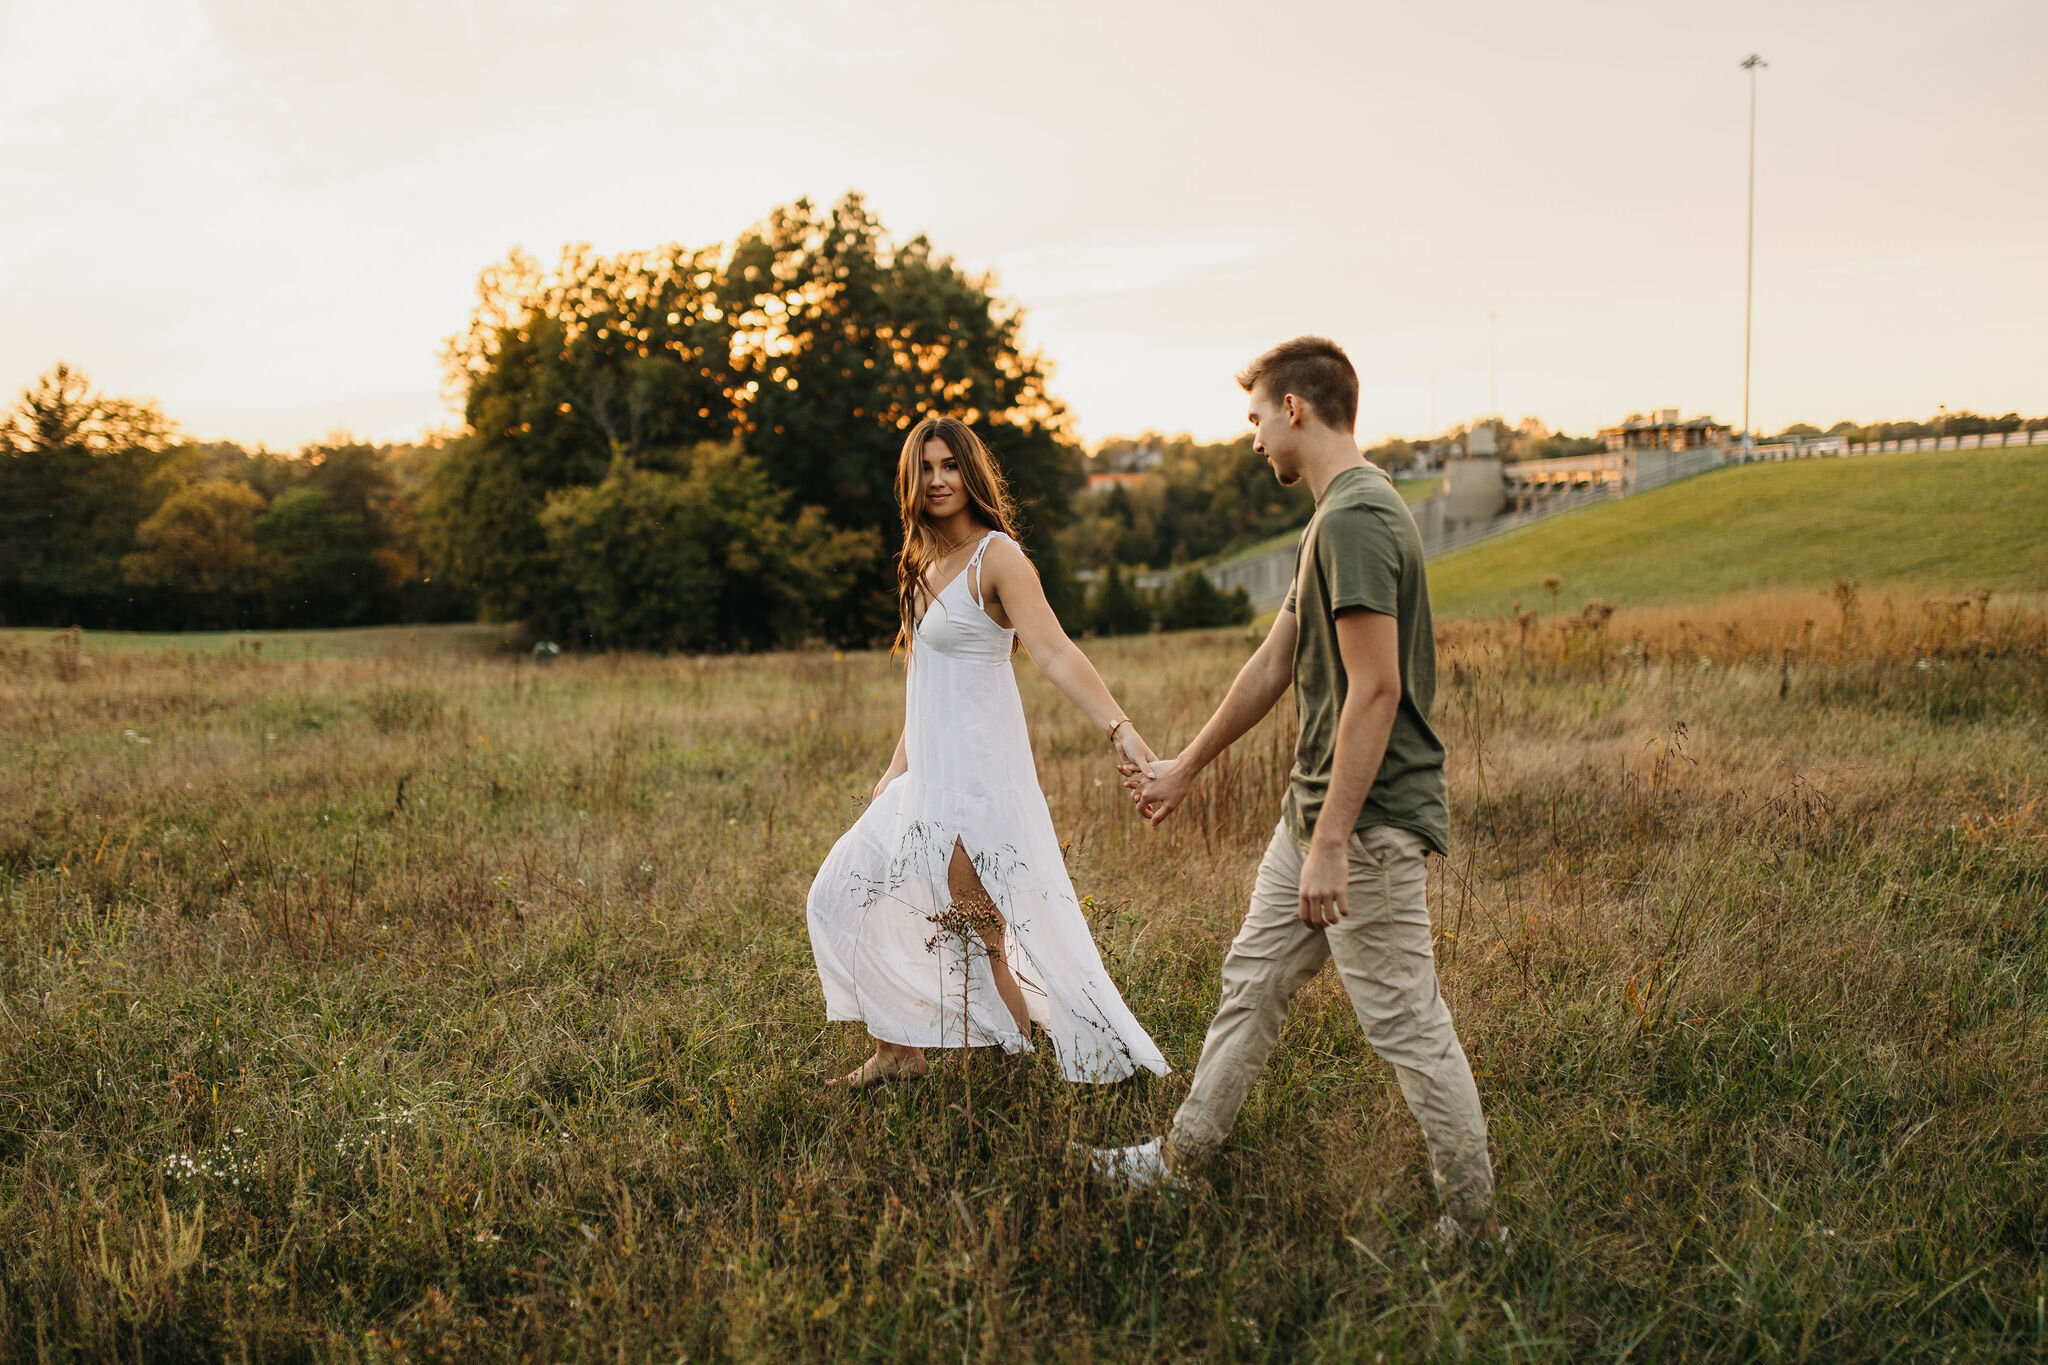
(1372, 488)
(1364, 505)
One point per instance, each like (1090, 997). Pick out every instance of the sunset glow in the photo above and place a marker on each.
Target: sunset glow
(269, 218)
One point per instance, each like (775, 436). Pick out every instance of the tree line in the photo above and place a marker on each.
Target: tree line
(682, 447)
(679, 447)
(1959, 423)
(108, 519)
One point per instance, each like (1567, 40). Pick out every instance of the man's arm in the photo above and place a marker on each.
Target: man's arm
(1262, 681)
(1369, 643)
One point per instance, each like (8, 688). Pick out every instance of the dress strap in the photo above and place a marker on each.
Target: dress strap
(974, 567)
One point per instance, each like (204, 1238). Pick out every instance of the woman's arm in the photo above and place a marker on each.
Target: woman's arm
(898, 765)
(1007, 579)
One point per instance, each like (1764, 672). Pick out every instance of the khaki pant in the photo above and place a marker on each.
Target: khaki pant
(1383, 956)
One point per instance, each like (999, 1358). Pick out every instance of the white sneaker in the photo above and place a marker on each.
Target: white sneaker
(1450, 1234)
(1142, 1167)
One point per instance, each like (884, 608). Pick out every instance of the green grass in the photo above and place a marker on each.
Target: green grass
(1418, 488)
(381, 1008)
(1954, 520)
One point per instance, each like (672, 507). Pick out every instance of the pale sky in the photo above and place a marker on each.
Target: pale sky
(267, 216)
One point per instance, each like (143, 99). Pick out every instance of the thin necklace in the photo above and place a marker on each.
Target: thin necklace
(946, 550)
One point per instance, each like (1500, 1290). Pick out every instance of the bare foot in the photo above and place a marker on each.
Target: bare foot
(879, 1068)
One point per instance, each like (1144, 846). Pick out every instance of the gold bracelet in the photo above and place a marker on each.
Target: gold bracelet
(1115, 725)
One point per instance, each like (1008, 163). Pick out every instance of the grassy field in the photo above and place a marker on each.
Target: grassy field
(422, 644)
(1963, 520)
(416, 1006)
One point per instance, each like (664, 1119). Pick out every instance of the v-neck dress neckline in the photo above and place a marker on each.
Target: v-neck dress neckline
(980, 548)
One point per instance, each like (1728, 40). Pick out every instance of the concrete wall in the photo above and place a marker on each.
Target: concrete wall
(1446, 522)
(1476, 492)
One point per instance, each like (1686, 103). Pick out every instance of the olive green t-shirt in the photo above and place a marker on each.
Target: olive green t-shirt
(1361, 549)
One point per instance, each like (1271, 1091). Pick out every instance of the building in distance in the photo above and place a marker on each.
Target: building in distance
(1663, 431)
(1123, 467)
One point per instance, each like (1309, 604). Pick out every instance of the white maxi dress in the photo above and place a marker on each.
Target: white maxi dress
(873, 908)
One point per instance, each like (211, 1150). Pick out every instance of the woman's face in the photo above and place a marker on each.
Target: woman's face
(945, 490)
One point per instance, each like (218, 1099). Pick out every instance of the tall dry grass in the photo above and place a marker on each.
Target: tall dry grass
(416, 1009)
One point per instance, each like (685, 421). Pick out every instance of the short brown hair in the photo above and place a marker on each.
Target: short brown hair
(1313, 369)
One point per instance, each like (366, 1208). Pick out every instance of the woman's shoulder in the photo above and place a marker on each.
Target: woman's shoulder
(1000, 547)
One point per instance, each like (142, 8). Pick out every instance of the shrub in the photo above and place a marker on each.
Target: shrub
(1194, 602)
(702, 559)
(1116, 608)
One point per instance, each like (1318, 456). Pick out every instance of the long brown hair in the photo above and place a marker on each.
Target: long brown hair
(987, 496)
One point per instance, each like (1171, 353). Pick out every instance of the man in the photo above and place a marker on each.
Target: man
(1344, 875)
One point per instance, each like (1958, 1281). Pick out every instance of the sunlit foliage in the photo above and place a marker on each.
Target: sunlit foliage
(814, 340)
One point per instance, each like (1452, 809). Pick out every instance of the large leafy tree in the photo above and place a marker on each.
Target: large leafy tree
(563, 371)
(605, 355)
(844, 338)
(201, 542)
(817, 341)
(79, 472)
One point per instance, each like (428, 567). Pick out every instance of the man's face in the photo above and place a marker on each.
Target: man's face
(1276, 431)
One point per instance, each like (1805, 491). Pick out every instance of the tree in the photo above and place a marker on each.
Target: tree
(1114, 608)
(1193, 602)
(817, 342)
(319, 564)
(1393, 455)
(79, 471)
(605, 355)
(1559, 446)
(562, 372)
(1197, 500)
(480, 523)
(201, 542)
(706, 559)
(844, 338)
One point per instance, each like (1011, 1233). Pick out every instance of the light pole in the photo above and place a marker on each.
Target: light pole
(1493, 365)
(1750, 64)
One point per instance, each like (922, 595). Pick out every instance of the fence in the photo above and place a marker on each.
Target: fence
(1990, 440)
(1807, 447)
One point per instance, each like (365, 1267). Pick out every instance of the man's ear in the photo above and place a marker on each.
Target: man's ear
(1295, 410)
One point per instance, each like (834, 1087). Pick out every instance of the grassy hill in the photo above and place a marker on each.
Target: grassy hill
(1965, 519)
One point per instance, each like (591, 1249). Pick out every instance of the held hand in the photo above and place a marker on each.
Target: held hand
(1325, 885)
(1132, 752)
(1158, 790)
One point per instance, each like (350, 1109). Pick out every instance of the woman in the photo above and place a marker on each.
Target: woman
(944, 917)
